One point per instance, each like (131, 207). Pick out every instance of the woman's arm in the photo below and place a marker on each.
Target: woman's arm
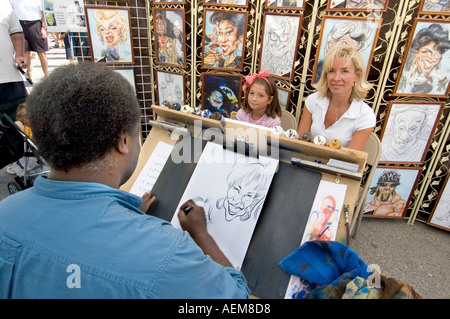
(359, 139)
(305, 122)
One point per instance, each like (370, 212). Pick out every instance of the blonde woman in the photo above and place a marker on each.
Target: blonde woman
(337, 109)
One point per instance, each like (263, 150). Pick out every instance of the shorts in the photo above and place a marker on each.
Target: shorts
(33, 37)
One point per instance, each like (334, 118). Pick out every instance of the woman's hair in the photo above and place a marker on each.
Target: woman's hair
(358, 31)
(122, 23)
(78, 112)
(236, 19)
(434, 33)
(274, 108)
(361, 86)
(251, 177)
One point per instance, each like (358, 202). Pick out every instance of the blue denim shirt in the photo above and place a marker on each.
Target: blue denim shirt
(87, 240)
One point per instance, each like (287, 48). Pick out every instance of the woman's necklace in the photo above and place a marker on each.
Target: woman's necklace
(339, 114)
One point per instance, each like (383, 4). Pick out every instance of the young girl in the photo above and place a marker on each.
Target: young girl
(22, 120)
(261, 105)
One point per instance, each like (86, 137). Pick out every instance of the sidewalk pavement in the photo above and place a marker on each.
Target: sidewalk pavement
(55, 58)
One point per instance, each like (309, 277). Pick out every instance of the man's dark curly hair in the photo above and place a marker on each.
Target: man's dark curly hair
(78, 112)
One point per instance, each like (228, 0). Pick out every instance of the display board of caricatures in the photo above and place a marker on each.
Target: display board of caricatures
(230, 43)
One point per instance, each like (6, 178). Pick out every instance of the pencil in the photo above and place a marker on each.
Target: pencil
(188, 209)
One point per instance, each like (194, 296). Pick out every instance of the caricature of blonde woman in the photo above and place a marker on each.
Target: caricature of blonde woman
(247, 185)
(111, 26)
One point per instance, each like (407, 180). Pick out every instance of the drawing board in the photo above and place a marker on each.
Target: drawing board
(231, 188)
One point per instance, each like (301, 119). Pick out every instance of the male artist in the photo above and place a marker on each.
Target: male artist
(75, 234)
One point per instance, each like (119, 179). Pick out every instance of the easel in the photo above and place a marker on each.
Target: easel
(171, 126)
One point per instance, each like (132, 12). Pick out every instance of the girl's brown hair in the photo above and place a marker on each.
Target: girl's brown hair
(274, 108)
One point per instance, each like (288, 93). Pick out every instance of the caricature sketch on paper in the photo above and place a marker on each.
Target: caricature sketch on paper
(231, 188)
(246, 190)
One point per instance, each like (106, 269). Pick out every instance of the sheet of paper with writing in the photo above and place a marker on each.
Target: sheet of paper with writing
(322, 224)
(152, 169)
(231, 188)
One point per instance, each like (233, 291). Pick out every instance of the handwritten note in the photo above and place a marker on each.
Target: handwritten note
(152, 169)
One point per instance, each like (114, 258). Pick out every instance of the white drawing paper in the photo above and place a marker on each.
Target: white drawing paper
(322, 224)
(152, 168)
(231, 188)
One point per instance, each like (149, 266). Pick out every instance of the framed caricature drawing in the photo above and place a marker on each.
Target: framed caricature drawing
(279, 44)
(357, 5)
(221, 93)
(110, 34)
(228, 3)
(169, 1)
(284, 97)
(128, 73)
(170, 44)
(425, 70)
(440, 216)
(361, 33)
(439, 7)
(391, 190)
(223, 43)
(408, 131)
(285, 4)
(171, 87)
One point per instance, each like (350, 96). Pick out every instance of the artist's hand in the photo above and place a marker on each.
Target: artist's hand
(195, 224)
(195, 221)
(147, 200)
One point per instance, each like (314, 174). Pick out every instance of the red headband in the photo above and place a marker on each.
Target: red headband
(263, 74)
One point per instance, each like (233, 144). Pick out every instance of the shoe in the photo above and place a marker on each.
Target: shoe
(15, 169)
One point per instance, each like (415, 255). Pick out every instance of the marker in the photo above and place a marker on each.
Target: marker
(188, 209)
(322, 232)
